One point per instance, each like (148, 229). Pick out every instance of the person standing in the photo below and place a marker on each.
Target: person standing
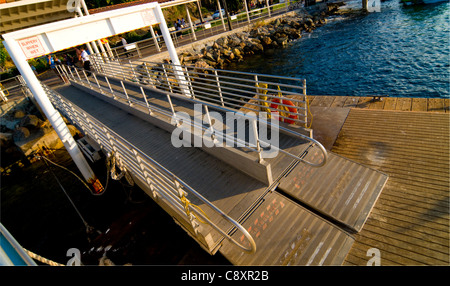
(86, 61)
(77, 58)
(124, 44)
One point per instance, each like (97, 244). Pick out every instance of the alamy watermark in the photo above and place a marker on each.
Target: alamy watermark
(375, 255)
(240, 130)
(72, 5)
(373, 5)
(75, 255)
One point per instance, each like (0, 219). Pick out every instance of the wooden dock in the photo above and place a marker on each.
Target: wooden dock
(409, 224)
(408, 139)
(440, 105)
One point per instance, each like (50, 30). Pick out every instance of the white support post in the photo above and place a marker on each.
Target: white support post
(172, 52)
(246, 11)
(190, 22)
(52, 115)
(221, 16)
(155, 40)
(268, 7)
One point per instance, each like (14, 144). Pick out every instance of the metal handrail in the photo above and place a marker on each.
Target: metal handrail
(229, 86)
(241, 19)
(244, 144)
(154, 167)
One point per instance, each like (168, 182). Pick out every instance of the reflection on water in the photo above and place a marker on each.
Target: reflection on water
(400, 51)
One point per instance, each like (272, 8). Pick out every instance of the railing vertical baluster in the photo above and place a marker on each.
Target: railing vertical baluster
(98, 84)
(219, 88)
(87, 79)
(171, 107)
(78, 74)
(71, 73)
(121, 69)
(110, 88)
(148, 74)
(189, 81)
(167, 77)
(146, 101)
(132, 70)
(126, 93)
(258, 146)
(306, 103)
(210, 123)
(138, 51)
(257, 94)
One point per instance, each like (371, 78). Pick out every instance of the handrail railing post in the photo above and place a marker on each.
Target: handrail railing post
(132, 70)
(219, 88)
(191, 89)
(87, 79)
(110, 88)
(146, 101)
(173, 110)
(161, 177)
(208, 117)
(306, 103)
(148, 74)
(258, 146)
(98, 84)
(167, 77)
(126, 93)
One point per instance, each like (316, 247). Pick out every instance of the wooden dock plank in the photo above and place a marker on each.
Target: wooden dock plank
(351, 101)
(326, 101)
(436, 105)
(410, 222)
(377, 103)
(316, 100)
(339, 101)
(364, 102)
(403, 104)
(419, 104)
(390, 103)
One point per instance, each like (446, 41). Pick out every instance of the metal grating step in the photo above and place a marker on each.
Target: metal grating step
(287, 234)
(342, 189)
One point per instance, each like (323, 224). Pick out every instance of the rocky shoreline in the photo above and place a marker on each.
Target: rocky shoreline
(260, 38)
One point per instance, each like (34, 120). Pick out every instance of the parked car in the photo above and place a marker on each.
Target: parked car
(216, 14)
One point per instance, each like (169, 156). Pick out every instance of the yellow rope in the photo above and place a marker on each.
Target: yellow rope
(42, 259)
(262, 96)
(187, 203)
(282, 107)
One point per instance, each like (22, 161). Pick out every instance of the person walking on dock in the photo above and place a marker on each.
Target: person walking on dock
(86, 61)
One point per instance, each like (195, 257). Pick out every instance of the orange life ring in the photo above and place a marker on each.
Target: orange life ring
(292, 109)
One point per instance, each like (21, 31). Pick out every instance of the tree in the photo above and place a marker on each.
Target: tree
(4, 57)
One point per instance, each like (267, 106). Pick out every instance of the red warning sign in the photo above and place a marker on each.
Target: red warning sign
(32, 47)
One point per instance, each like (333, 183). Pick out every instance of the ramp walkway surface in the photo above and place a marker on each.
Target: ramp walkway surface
(290, 225)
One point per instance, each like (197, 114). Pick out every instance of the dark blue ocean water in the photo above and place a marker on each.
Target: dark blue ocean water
(400, 51)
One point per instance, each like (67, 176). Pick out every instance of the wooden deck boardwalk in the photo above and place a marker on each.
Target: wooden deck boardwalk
(409, 224)
(408, 139)
(440, 105)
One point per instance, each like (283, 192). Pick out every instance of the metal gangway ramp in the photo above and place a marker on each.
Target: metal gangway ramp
(293, 209)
